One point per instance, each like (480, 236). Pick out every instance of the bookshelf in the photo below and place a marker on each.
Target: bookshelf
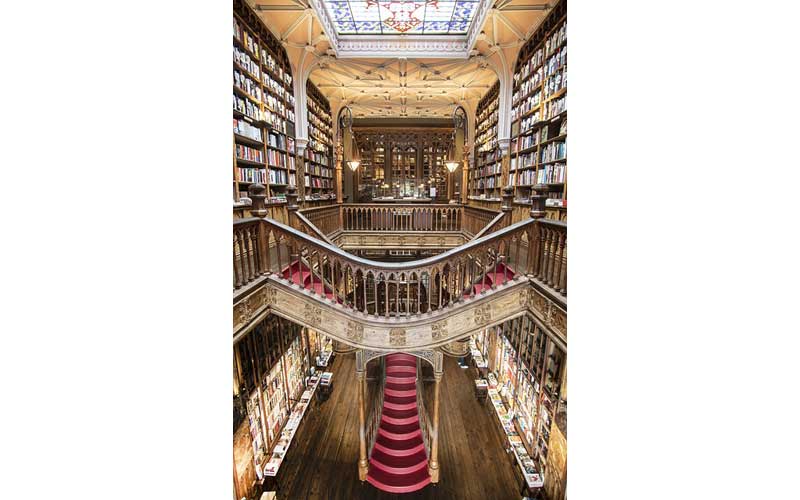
(539, 115)
(484, 180)
(263, 108)
(319, 175)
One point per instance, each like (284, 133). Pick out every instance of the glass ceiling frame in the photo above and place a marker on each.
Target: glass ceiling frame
(399, 17)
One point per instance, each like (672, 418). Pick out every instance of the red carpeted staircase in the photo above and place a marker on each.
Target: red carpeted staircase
(398, 462)
(499, 276)
(300, 274)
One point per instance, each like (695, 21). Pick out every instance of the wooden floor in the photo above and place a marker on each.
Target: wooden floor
(321, 463)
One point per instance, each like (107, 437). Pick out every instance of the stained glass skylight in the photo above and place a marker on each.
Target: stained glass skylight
(395, 17)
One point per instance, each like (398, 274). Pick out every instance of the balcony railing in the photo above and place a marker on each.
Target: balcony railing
(533, 247)
(402, 218)
(470, 221)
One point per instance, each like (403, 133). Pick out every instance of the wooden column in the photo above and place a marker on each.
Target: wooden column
(363, 463)
(291, 206)
(464, 173)
(300, 167)
(433, 464)
(339, 180)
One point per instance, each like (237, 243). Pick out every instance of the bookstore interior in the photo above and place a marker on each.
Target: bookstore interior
(400, 228)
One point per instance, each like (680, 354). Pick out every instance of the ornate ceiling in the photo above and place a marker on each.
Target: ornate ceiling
(407, 75)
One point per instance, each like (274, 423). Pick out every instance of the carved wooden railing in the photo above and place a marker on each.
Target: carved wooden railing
(311, 229)
(249, 261)
(501, 220)
(475, 219)
(401, 217)
(375, 410)
(550, 258)
(424, 418)
(394, 289)
(402, 289)
(325, 219)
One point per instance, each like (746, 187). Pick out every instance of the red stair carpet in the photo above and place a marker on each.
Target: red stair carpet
(398, 462)
(300, 274)
(499, 276)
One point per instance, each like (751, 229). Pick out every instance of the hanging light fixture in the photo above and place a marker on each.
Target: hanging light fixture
(355, 155)
(451, 162)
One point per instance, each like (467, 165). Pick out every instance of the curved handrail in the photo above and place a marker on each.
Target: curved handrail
(533, 247)
(391, 266)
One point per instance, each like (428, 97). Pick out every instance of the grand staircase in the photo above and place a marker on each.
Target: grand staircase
(398, 462)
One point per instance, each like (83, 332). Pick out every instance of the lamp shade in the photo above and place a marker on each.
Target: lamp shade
(451, 166)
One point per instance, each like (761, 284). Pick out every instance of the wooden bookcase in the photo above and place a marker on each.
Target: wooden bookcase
(319, 161)
(263, 108)
(539, 115)
(484, 180)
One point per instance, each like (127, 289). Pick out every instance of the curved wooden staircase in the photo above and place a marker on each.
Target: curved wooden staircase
(398, 462)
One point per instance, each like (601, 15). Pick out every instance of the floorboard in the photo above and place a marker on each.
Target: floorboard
(322, 461)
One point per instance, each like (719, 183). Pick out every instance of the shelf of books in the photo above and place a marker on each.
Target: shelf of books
(263, 108)
(539, 115)
(524, 387)
(319, 166)
(484, 181)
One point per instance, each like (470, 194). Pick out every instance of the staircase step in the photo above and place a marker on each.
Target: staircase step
(401, 355)
(401, 379)
(401, 370)
(399, 406)
(408, 393)
(398, 483)
(399, 420)
(399, 435)
(400, 400)
(404, 464)
(399, 447)
(390, 412)
(401, 362)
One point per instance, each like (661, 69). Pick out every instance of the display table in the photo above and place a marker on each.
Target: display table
(325, 358)
(532, 478)
(290, 428)
(325, 386)
(481, 389)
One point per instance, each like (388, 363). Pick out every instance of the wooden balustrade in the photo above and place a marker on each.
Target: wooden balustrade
(550, 254)
(249, 259)
(326, 218)
(403, 289)
(424, 418)
(379, 288)
(375, 409)
(401, 217)
(475, 219)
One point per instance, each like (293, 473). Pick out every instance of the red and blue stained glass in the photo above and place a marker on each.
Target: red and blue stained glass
(394, 17)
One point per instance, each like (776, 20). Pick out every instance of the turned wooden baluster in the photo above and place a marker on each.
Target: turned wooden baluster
(552, 257)
(242, 257)
(237, 275)
(562, 283)
(557, 265)
(419, 291)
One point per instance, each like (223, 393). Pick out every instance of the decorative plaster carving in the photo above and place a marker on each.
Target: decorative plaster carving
(439, 330)
(483, 314)
(355, 331)
(397, 337)
(313, 314)
(558, 320)
(540, 304)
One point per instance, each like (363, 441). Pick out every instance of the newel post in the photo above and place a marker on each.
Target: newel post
(258, 193)
(537, 212)
(508, 199)
(433, 464)
(291, 206)
(363, 462)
